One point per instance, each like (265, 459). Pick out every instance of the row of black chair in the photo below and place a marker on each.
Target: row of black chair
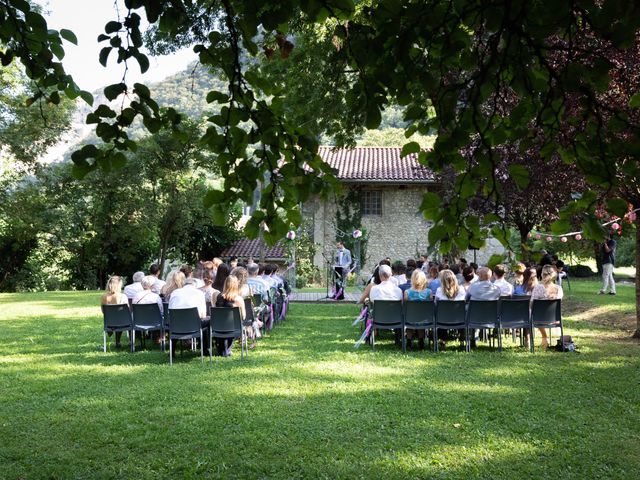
(179, 323)
(506, 313)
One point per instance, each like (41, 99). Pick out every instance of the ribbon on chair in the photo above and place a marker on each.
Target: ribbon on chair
(285, 304)
(270, 323)
(363, 315)
(365, 334)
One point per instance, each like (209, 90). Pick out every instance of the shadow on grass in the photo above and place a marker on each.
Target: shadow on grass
(306, 405)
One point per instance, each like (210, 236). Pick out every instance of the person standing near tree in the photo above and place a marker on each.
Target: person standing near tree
(608, 250)
(341, 268)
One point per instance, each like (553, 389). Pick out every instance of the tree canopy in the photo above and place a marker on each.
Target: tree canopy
(559, 76)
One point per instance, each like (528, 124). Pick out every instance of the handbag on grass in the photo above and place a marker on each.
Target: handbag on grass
(565, 344)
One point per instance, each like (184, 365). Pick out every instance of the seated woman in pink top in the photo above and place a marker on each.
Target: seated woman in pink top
(547, 290)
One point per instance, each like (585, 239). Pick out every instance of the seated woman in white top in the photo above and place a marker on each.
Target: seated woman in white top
(547, 290)
(449, 288)
(147, 295)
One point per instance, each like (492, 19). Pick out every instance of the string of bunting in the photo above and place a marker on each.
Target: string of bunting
(564, 238)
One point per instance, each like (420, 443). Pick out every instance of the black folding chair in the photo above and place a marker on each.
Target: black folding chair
(165, 315)
(186, 325)
(117, 318)
(227, 324)
(147, 318)
(419, 316)
(546, 314)
(450, 314)
(514, 315)
(481, 314)
(387, 315)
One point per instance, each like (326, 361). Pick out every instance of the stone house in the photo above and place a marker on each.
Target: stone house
(388, 190)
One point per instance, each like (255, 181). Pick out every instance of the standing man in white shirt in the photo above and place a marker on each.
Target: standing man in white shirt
(341, 268)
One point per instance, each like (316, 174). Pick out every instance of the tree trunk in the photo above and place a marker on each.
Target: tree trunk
(525, 254)
(637, 332)
(598, 256)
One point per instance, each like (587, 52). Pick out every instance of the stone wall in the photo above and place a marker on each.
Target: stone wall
(399, 233)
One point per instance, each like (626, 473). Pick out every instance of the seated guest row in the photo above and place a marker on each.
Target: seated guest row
(383, 288)
(224, 287)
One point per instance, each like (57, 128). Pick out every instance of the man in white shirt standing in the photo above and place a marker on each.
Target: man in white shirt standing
(506, 289)
(190, 296)
(386, 290)
(341, 268)
(132, 289)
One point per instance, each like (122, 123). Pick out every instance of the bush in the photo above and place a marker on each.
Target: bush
(626, 251)
(581, 271)
(306, 273)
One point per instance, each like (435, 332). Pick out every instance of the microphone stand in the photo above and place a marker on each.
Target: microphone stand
(328, 263)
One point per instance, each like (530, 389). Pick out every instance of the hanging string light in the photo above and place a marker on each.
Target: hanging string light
(578, 235)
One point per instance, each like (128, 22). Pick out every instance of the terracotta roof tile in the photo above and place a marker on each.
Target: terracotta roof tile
(251, 248)
(376, 164)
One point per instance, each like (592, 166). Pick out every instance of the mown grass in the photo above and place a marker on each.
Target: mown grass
(305, 404)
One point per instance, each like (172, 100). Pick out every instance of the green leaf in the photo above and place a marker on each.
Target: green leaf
(520, 175)
(430, 205)
(373, 117)
(57, 50)
(152, 124)
(143, 61)
(494, 260)
(104, 56)
(617, 206)
(215, 96)
(409, 148)
(118, 160)
(112, 27)
(69, 36)
(141, 90)
(113, 91)
(87, 97)
(634, 101)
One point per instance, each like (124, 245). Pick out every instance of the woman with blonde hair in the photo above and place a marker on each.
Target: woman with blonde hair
(518, 274)
(418, 292)
(230, 297)
(175, 280)
(449, 288)
(113, 296)
(547, 290)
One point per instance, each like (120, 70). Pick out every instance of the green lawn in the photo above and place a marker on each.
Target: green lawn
(305, 404)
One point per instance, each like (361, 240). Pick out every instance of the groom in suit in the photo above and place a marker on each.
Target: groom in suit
(341, 268)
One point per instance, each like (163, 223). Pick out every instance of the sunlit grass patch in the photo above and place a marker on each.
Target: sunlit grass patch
(305, 404)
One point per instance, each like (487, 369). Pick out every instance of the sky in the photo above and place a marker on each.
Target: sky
(86, 19)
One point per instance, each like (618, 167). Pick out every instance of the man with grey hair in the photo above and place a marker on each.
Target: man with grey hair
(147, 295)
(131, 290)
(387, 290)
(483, 289)
(256, 284)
